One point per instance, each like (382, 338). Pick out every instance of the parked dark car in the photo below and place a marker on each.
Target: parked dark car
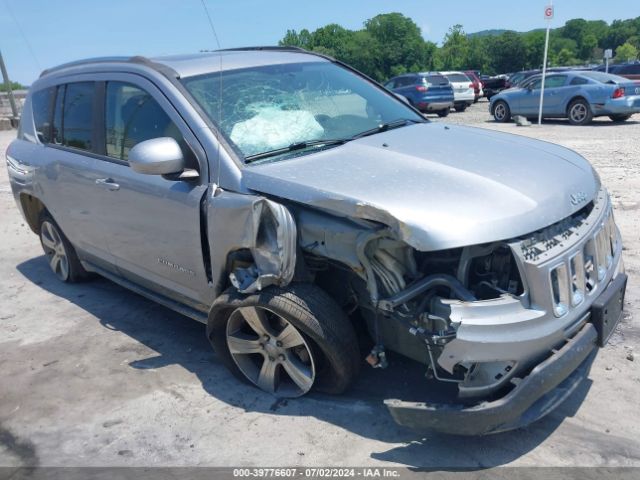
(428, 92)
(626, 70)
(493, 85)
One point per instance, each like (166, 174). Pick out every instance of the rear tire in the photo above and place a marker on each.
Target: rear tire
(330, 341)
(619, 118)
(501, 111)
(443, 113)
(579, 112)
(61, 256)
(461, 107)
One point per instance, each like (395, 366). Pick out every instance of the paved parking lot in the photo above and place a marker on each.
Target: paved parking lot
(94, 375)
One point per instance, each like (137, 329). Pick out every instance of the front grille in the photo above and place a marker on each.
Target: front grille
(567, 262)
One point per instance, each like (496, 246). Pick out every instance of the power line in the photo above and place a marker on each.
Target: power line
(24, 37)
(213, 29)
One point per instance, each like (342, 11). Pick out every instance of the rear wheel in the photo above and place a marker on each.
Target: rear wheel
(61, 255)
(461, 107)
(285, 341)
(443, 113)
(619, 118)
(579, 112)
(501, 111)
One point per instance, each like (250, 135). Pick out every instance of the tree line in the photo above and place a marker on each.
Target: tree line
(392, 44)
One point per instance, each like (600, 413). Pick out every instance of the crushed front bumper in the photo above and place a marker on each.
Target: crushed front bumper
(535, 395)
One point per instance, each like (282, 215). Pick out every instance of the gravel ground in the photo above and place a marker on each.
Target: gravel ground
(93, 375)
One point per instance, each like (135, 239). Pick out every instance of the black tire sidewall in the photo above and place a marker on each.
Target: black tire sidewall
(76, 270)
(335, 354)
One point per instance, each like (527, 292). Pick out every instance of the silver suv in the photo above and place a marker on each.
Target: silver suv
(296, 208)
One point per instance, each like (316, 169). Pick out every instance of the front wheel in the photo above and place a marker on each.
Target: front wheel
(61, 255)
(501, 111)
(285, 341)
(579, 112)
(619, 118)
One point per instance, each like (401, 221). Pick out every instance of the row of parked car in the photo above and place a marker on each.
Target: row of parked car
(578, 94)
(438, 92)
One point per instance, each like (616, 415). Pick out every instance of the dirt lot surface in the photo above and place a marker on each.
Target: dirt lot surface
(94, 375)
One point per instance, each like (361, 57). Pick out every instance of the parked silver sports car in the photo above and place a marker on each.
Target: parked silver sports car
(576, 95)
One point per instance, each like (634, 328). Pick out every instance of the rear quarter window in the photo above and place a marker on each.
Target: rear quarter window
(42, 104)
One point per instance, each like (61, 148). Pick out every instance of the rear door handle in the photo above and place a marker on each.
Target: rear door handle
(108, 183)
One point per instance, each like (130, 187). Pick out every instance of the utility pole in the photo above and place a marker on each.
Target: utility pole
(7, 84)
(548, 16)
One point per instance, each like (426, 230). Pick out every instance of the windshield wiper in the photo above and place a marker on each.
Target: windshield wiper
(296, 146)
(401, 122)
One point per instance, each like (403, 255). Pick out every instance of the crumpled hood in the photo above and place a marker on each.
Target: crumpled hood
(437, 186)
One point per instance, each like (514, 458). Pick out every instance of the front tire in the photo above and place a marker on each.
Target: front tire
(285, 341)
(579, 112)
(61, 255)
(619, 118)
(501, 112)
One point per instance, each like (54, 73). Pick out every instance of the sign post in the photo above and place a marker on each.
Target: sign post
(548, 16)
(608, 54)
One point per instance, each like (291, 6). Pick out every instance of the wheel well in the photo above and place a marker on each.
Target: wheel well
(32, 208)
(578, 97)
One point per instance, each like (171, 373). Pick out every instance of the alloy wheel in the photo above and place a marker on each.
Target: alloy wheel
(270, 351)
(500, 111)
(54, 250)
(578, 112)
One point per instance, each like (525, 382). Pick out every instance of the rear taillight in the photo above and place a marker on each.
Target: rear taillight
(618, 92)
(421, 88)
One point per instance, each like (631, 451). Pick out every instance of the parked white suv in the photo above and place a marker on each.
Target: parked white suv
(463, 93)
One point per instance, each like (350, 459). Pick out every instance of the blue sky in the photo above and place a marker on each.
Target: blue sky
(61, 31)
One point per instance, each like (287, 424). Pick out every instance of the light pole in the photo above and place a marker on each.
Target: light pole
(548, 16)
(7, 83)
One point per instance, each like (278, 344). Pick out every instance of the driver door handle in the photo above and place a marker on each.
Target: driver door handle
(108, 183)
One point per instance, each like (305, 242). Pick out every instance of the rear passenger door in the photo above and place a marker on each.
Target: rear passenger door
(70, 174)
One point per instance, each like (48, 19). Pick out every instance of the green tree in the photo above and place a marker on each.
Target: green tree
(626, 52)
(508, 52)
(455, 49)
(399, 43)
(534, 48)
(14, 86)
(566, 57)
(479, 57)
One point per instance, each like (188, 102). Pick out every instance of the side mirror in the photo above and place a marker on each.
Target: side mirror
(158, 156)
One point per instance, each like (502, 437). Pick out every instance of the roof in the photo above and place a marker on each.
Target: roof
(207, 62)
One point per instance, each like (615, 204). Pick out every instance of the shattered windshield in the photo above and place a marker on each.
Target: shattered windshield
(263, 109)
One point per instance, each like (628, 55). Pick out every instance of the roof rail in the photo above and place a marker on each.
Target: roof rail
(88, 61)
(266, 47)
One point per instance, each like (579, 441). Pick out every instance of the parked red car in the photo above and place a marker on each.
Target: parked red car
(477, 84)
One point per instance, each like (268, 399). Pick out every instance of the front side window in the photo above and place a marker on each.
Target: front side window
(555, 81)
(77, 116)
(132, 116)
(41, 107)
(261, 109)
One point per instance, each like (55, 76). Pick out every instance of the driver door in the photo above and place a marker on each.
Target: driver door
(153, 222)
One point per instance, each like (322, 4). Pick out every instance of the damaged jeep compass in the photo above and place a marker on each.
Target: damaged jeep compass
(295, 206)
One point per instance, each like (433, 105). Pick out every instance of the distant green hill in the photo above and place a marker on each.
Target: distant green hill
(495, 31)
(487, 33)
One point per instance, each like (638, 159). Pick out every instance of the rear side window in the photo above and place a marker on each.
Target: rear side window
(133, 116)
(437, 80)
(458, 77)
(405, 81)
(579, 81)
(74, 115)
(41, 106)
